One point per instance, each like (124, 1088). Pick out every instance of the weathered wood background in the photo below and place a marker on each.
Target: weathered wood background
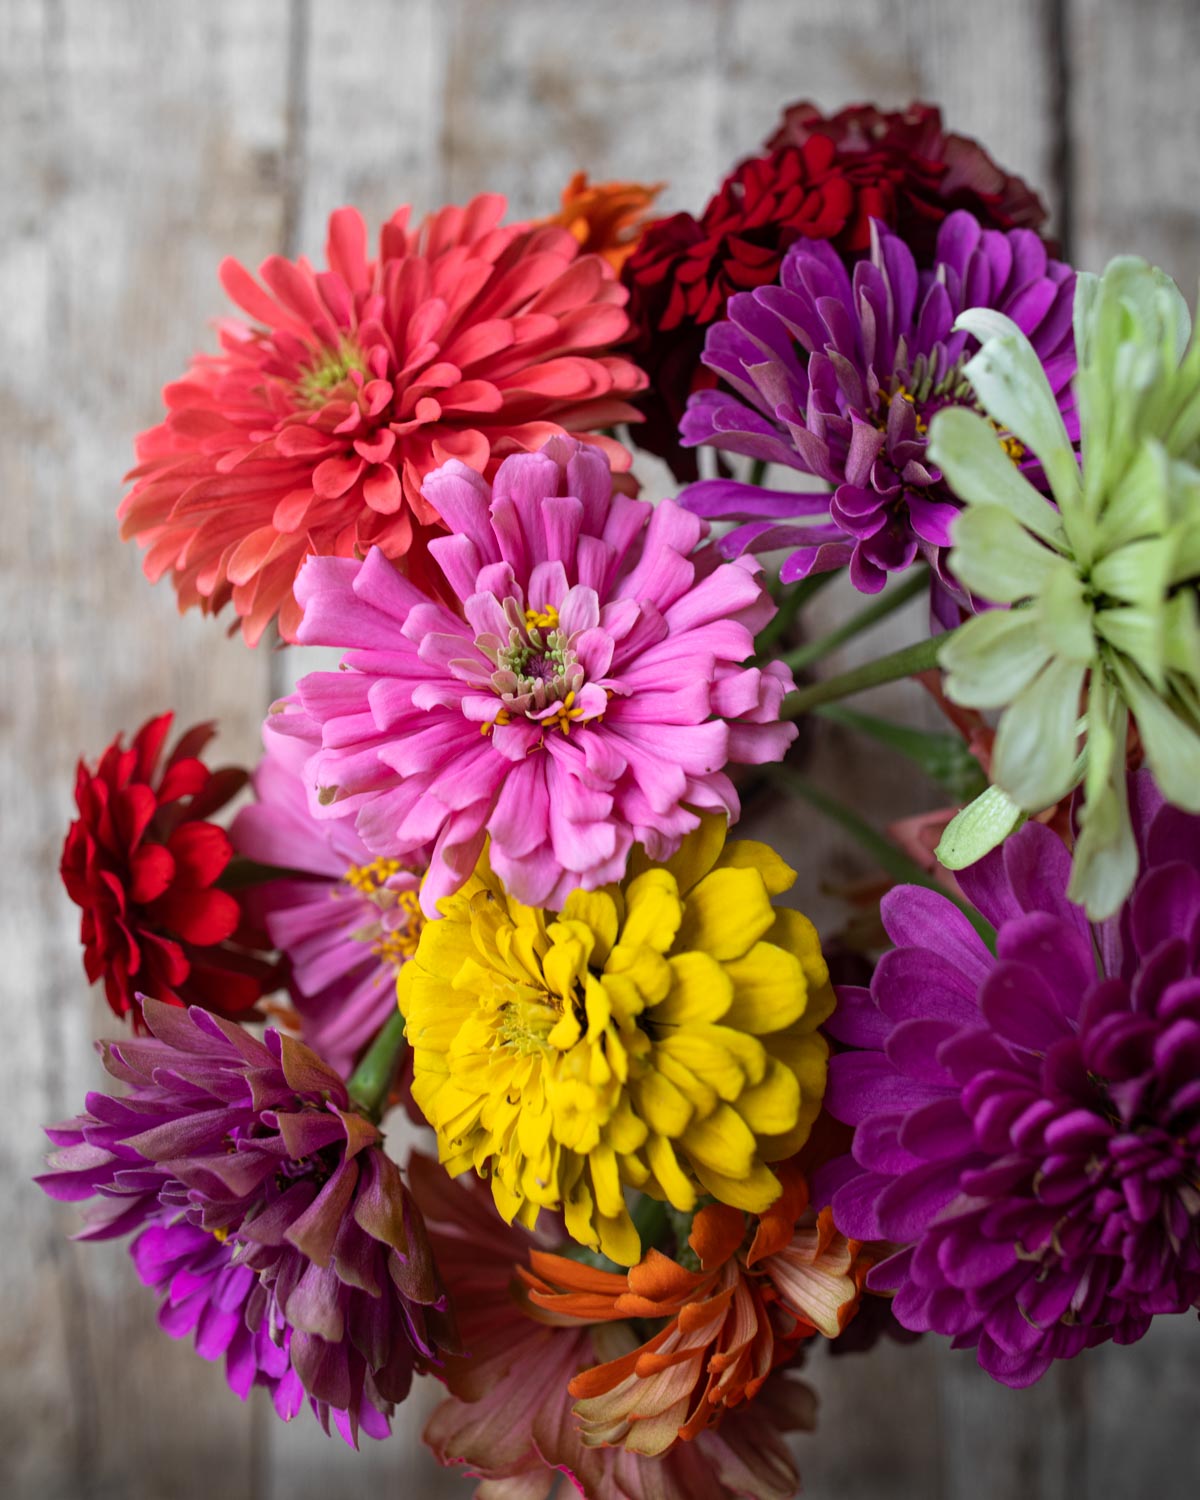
(143, 141)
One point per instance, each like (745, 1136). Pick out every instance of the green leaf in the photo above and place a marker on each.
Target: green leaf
(944, 757)
(896, 863)
(979, 828)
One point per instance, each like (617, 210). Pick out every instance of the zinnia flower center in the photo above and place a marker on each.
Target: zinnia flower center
(927, 395)
(537, 673)
(330, 369)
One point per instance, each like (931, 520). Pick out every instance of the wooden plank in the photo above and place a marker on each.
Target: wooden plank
(538, 90)
(143, 142)
(1134, 116)
(1134, 119)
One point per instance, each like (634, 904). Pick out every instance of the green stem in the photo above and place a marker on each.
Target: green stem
(896, 863)
(904, 663)
(758, 472)
(371, 1082)
(792, 603)
(814, 651)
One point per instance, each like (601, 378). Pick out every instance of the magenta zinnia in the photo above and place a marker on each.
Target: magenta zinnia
(584, 692)
(257, 1148)
(1027, 1126)
(313, 428)
(344, 918)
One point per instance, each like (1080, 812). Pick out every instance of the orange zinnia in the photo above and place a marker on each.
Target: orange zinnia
(727, 1325)
(606, 218)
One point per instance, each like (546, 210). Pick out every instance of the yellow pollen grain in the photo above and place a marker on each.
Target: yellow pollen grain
(399, 945)
(566, 716)
(367, 879)
(1014, 447)
(544, 619)
(887, 398)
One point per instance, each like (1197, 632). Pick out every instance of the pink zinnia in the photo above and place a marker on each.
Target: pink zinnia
(345, 919)
(584, 693)
(313, 429)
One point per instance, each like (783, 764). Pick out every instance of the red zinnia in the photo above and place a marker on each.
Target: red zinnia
(314, 427)
(823, 179)
(142, 863)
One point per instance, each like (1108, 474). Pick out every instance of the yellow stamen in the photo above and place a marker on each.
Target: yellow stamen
(367, 879)
(888, 396)
(545, 619)
(400, 943)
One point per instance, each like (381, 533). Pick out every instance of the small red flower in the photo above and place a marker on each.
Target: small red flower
(822, 179)
(143, 863)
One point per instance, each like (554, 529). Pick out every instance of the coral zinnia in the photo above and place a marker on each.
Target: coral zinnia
(345, 919)
(587, 696)
(258, 1146)
(143, 862)
(660, 1034)
(823, 179)
(725, 1327)
(607, 218)
(1028, 1125)
(508, 1416)
(313, 429)
(840, 379)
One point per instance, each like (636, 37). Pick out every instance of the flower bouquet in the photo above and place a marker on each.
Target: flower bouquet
(486, 870)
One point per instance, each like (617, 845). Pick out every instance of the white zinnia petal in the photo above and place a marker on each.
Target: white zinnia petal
(1012, 387)
(972, 459)
(1034, 755)
(992, 657)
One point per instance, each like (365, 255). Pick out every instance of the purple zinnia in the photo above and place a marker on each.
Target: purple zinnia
(1027, 1126)
(269, 1215)
(346, 919)
(839, 376)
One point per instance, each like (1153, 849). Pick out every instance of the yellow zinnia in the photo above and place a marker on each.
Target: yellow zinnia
(660, 1034)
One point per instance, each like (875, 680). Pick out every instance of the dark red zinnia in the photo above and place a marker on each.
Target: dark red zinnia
(143, 863)
(824, 178)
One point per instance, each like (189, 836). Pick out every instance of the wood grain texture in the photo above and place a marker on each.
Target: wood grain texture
(138, 145)
(141, 144)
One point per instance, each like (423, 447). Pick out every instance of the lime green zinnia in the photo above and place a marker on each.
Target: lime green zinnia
(660, 1035)
(1103, 589)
